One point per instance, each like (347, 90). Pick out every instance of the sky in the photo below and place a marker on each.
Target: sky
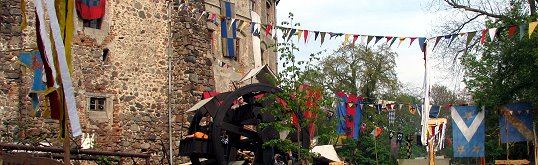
(369, 17)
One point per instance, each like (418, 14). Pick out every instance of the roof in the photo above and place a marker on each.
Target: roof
(199, 104)
(254, 73)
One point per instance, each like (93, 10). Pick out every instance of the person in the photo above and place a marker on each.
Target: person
(278, 160)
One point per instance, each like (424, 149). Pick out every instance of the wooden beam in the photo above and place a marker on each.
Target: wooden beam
(524, 161)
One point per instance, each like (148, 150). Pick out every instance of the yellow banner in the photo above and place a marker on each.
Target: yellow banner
(532, 26)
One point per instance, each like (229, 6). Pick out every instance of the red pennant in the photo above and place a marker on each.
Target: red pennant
(268, 29)
(388, 38)
(436, 41)
(305, 32)
(412, 39)
(484, 32)
(511, 31)
(355, 39)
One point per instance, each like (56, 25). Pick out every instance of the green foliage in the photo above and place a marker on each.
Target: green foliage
(361, 69)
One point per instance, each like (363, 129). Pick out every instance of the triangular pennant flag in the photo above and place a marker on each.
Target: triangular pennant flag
(322, 37)
(331, 35)
(393, 40)
(346, 38)
(532, 26)
(316, 33)
(363, 38)
(299, 34)
(355, 39)
(483, 37)
(470, 36)
(377, 38)
(305, 35)
(243, 24)
(285, 32)
(437, 39)
(201, 15)
(231, 23)
(521, 30)
(253, 27)
(462, 34)
(213, 16)
(388, 38)
(422, 43)
(447, 37)
(412, 39)
(292, 32)
(402, 39)
(369, 39)
(511, 30)
(492, 33)
(452, 39)
(268, 29)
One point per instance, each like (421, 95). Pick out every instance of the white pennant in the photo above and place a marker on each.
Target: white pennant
(273, 32)
(362, 39)
(467, 131)
(201, 15)
(231, 23)
(492, 33)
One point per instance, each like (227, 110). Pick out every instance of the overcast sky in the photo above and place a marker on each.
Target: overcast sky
(369, 17)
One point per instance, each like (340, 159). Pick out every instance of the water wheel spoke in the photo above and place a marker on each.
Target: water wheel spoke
(239, 130)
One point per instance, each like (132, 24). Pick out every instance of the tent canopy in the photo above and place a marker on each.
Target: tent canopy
(327, 151)
(260, 75)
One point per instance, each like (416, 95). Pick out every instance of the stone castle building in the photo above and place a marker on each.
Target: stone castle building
(121, 69)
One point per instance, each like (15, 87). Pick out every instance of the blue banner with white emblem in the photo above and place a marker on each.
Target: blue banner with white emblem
(468, 131)
(516, 122)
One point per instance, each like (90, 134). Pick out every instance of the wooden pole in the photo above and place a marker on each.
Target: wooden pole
(67, 148)
(375, 148)
(534, 141)
(431, 153)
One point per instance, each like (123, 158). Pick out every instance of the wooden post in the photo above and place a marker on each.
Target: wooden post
(432, 123)
(67, 148)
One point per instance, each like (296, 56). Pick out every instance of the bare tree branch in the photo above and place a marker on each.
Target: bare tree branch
(456, 5)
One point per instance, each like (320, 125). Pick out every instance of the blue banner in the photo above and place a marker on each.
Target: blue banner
(468, 131)
(516, 122)
(341, 113)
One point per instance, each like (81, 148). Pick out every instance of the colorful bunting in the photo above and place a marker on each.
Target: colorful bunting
(412, 39)
(243, 24)
(470, 36)
(322, 37)
(437, 39)
(402, 39)
(492, 33)
(305, 35)
(454, 36)
(346, 38)
(355, 39)
(369, 39)
(392, 42)
(316, 33)
(422, 43)
(292, 32)
(268, 29)
(299, 34)
(521, 30)
(532, 26)
(377, 38)
(511, 31)
(483, 37)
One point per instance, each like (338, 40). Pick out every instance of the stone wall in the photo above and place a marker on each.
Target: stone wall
(126, 62)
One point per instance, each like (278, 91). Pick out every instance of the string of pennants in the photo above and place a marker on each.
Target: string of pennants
(304, 34)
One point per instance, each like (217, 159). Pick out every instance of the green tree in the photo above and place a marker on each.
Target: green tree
(361, 70)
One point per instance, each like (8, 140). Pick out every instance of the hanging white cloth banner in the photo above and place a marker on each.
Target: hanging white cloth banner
(44, 37)
(256, 48)
(64, 70)
(426, 107)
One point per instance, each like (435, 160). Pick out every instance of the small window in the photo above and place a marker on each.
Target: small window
(94, 23)
(237, 49)
(97, 103)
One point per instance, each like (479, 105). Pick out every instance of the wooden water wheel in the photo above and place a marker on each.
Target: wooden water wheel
(236, 127)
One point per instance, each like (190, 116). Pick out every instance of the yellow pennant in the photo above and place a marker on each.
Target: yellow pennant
(299, 33)
(532, 26)
(346, 38)
(322, 37)
(402, 39)
(243, 25)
